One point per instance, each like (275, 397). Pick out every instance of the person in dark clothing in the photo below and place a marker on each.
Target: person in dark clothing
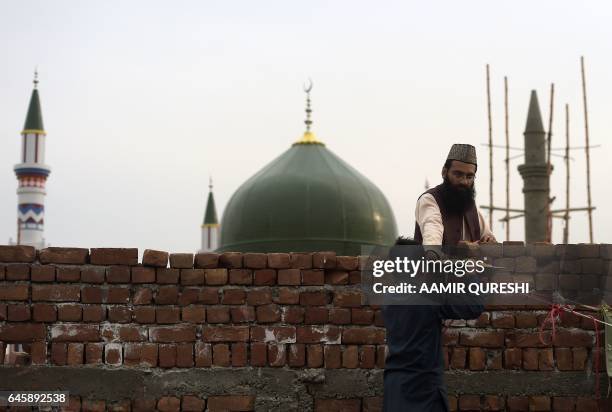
(445, 215)
(414, 366)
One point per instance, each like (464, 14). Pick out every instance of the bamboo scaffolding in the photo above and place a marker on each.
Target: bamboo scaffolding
(507, 158)
(588, 158)
(549, 164)
(567, 178)
(490, 149)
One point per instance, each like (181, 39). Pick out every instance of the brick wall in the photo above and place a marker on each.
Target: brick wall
(276, 332)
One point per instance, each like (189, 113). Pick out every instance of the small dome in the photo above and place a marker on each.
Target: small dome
(307, 199)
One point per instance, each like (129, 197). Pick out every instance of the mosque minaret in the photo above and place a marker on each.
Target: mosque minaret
(32, 175)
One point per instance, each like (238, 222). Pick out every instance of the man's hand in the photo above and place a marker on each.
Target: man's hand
(487, 239)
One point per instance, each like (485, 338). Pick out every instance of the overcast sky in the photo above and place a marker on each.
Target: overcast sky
(143, 100)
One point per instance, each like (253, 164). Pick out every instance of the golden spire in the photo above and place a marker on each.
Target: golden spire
(308, 137)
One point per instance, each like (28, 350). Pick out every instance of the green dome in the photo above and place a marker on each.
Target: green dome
(306, 200)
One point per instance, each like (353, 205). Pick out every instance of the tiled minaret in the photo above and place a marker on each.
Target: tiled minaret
(32, 175)
(210, 226)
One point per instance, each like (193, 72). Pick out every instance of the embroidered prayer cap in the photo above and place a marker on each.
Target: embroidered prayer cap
(463, 152)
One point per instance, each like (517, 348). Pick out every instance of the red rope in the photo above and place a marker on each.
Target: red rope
(555, 309)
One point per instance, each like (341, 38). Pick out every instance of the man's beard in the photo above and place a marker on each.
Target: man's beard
(457, 199)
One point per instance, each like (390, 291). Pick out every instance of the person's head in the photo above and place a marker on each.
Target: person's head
(458, 173)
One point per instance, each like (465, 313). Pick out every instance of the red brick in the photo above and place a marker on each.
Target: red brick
(362, 316)
(564, 359)
(14, 292)
(289, 277)
(230, 260)
(337, 277)
(314, 277)
(259, 354)
(573, 338)
(579, 356)
(75, 333)
(231, 403)
(314, 298)
(316, 334)
(59, 353)
(22, 332)
(18, 312)
(167, 276)
(314, 356)
(324, 260)
(25, 254)
(279, 260)
(38, 352)
(347, 298)
(93, 274)
(350, 357)
(539, 403)
(144, 314)
(143, 274)
(167, 355)
(70, 313)
(586, 405)
(293, 314)
(240, 277)
(469, 403)
(209, 296)
(280, 334)
(167, 314)
(259, 296)
(530, 359)
(458, 358)
(218, 314)
(93, 352)
(56, 293)
(189, 296)
(191, 403)
(367, 356)
(215, 276)
(68, 274)
(277, 354)
(301, 260)
(221, 354)
(513, 358)
(114, 256)
(297, 355)
(332, 356)
(372, 404)
(233, 296)
(563, 404)
(184, 355)
(41, 273)
(381, 354)
(545, 359)
(75, 354)
(316, 315)
(287, 296)
(255, 260)
(225, 333)
(17, 271)
(194, 314)
(365, 335)
(477, 359)
(203, 354)
(502, 320)
(485, 339)
(169, 404)
(242, 314)
(144, 405)
(121, 314)
(268, 313)
(192, 276)
(118, 295)
(331, 405)
(167, 334)
(181, 260)
(518, 404)
(118, 274)
(526, 320)
(264, 277)
(239, 354)
(206, 260)
(142, 296)
(155, 258)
